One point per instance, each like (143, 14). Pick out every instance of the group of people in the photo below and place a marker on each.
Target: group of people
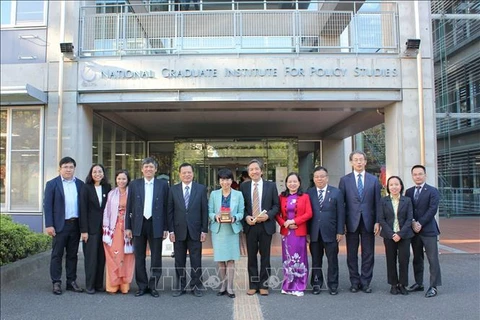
(116, 225)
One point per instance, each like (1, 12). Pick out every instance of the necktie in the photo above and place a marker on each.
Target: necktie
(256, 202)
(360, 185)
(320, 197)
(417, 193)
(187, 196)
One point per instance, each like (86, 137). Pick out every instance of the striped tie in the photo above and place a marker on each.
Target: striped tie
(320, 197)
(256, 202)
(360, 186)
(187, 196)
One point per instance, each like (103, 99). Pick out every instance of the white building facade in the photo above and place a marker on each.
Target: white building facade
(211, 84)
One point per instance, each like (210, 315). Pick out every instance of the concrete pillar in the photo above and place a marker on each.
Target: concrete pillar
(334, 154)
(402, 125)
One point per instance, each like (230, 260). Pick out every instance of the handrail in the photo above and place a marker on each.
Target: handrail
(307, 27)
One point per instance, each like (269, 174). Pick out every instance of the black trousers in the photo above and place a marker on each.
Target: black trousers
(367, 240)
(317, 250)
(194, 248)
(397, 252)
(258, 241)
(430, 244)
(140, 250)
(66, 240)
(94, 261)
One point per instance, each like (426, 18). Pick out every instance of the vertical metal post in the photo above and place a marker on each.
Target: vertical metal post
(60, 84)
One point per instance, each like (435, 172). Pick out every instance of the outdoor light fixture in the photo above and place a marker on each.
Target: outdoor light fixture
(67, 49)
(412, 47)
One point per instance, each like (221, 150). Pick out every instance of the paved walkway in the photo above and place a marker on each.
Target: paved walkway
(30, 297)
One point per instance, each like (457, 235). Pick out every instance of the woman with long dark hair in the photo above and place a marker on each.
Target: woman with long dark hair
(93, 198)
(120, 260)
(295, 211)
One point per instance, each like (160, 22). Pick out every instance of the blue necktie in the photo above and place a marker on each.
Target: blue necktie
(187, 196)
(417, 193)
(360, 186)
(320, 197)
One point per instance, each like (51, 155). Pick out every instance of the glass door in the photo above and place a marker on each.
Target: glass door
(207, 156)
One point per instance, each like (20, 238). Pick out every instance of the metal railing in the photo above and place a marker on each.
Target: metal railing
(325, 27)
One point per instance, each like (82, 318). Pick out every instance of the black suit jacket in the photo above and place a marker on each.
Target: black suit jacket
(54, 203)
(91, 211)
(404, 214)
(194, 219)
(367, 207)
(135, 205)
(270, 202)
(328, 220)
(425, 209)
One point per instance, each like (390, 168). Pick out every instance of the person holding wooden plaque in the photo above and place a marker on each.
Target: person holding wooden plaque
(225, 210)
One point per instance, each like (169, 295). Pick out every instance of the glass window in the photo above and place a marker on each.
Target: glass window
(20, 167)
(30, 11)
(116, 148)
(6, 14)
(25, 160)
(23, 12)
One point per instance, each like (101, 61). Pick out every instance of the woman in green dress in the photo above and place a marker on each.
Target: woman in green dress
(225, 210)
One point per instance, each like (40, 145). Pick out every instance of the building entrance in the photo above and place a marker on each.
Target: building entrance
(207, 156)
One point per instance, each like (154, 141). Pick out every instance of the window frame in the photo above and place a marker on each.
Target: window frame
(6, 207)
(13, 17)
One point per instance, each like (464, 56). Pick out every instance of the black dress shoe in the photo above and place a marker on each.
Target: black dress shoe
(402, 289)
(73, 286)
(178, 293)
(57, 288)
(431, 292)
(221, 293)
(90, 291)
(367, 289)
(415, 287)
(316, 290)
(231, 295)
(394, 290)
(141, 292)
(197, 292)
(154, 293)
(333, 292)
(354, 289)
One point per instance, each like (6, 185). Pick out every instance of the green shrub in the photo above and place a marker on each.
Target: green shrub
(17, 241)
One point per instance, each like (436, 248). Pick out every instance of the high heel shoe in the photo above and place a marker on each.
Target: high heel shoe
(221, 293)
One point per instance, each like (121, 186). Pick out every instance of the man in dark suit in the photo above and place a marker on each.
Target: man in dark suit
(188, 225)
(146, 220)
(259, 195)
(361, 192)
(326, 229)
(61, 207)
(425, 199)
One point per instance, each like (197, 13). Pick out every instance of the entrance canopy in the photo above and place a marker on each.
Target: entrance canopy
(23, 95)
(313, 120)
